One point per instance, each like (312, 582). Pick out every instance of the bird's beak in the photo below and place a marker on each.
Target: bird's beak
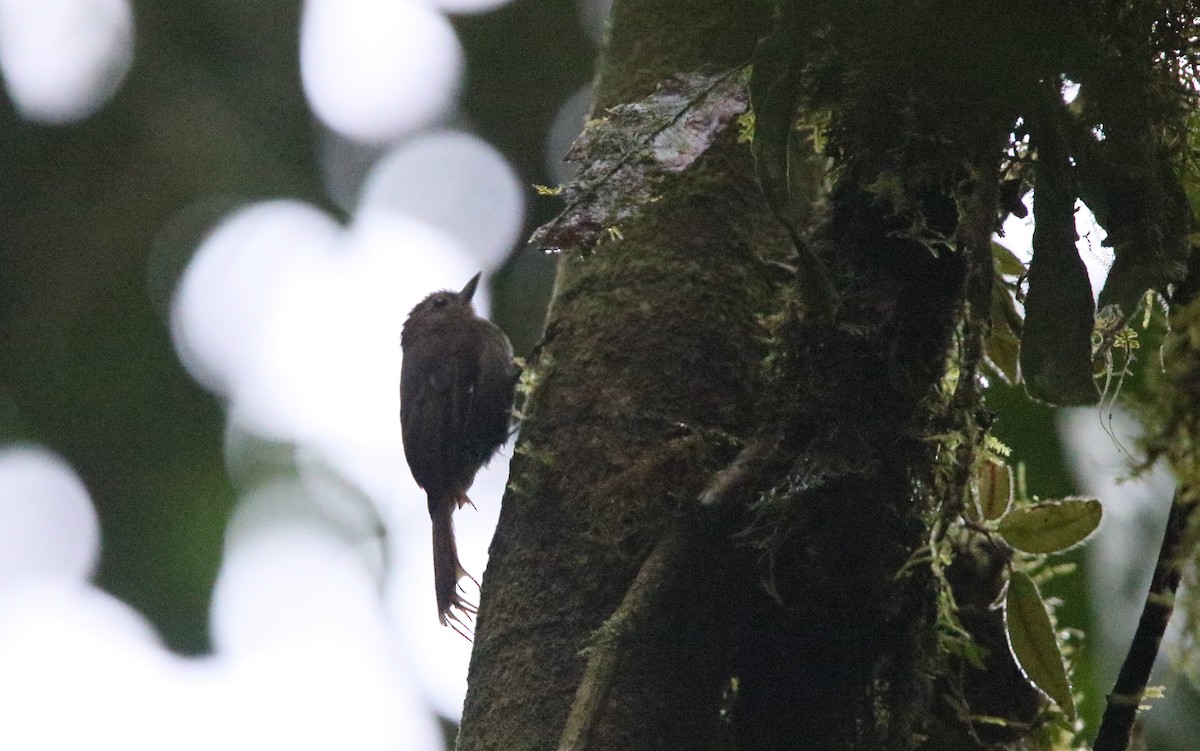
(469, 291)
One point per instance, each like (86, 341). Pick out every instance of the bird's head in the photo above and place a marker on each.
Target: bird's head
(441, 307)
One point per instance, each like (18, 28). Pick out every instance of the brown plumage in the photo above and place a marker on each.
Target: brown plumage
(457, 380)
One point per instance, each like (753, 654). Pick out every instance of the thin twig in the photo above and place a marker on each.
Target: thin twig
(1116, 726)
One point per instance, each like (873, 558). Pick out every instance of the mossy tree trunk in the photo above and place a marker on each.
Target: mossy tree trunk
(725, 474)
(649, 374)
(666, 353)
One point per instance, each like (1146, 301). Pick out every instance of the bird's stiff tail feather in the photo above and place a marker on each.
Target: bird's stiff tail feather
(453, 609)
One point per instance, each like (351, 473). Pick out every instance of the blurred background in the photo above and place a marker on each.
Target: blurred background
(214, 216)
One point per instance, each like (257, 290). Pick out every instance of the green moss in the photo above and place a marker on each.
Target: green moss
(650, 41)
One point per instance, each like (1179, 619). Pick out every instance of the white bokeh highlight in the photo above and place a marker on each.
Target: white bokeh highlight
(49, 526)
(304, 655)
(66, 649)
(295, 321)
(80, 669)
(437, 655)
(373, 69)
(456, 182)
(245, 264)
(62, 60)
(323, 618)
(285, 573)
(464, 6)
(290, 582)
(1121, 555)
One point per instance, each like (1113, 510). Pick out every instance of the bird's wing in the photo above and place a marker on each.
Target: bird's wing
(434, 418)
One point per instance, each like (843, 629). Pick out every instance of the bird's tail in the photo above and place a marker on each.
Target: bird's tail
(453, 609)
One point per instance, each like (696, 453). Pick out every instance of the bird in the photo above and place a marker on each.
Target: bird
(457, 383)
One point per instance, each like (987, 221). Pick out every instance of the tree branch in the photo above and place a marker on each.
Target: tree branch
(714, 507)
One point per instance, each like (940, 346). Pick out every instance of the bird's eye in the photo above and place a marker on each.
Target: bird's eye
(440, 301)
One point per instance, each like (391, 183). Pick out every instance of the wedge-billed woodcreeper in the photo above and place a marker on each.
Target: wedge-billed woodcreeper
(457, 379)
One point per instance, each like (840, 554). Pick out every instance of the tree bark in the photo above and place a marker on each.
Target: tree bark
(648, 374)
(713, 495)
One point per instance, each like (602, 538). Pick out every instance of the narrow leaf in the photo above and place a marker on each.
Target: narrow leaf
(1031, 640)
(788, 169)
(775, 92)
(1003, 344)
(994, 479)
(1051, 526)
(1003, 350)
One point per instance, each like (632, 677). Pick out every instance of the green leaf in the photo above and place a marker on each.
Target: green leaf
(1003, 350)
(1051, 526)
(1003, 344)
(1007, 261)
(776, 87)
(994, 479)
(788, 169)
(1056, 344)
(1032, 642)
